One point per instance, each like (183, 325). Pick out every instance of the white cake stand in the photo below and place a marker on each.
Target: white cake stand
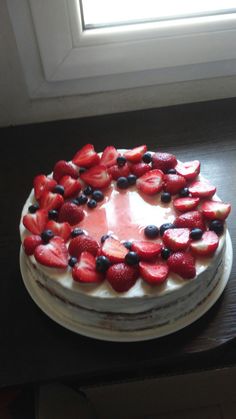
(67, 316)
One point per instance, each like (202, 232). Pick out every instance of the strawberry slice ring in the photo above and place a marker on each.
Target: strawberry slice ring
(206, 246)
(189, 170)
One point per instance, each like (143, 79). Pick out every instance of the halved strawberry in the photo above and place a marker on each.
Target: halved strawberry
(216, 210)
(202, 189)
(135, 154)
(30, 243)
(139, 169)
(63, 168)
(109, 156)
(176, 238)
(206, 246)
(154, 273)
(53, 254)
(191, 219)
(97, 177)
(116, 171)
(50, 200)
(174, 183)
(71, 186)
(86, 156)
(163, 161)
(122, 277)
(59, 229)
(146, 250)
(151, 182)
(114, 250)
(43, 183)
(85, 269)
(81, 244)
(186, 204)
(190, 169)
(71, 213)
(182, 264)
(36, 222)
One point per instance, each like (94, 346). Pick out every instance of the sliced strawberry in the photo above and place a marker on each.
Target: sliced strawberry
(191, 219)
(81, 244)
(109, 156)
(176, 238)
(135, 154)
(116, 171)
(30, 243)
(71, 186)
(122, 277)
(186, 204)
(114, 250)
(174, 183)
(154, 273)
(206, 246)
(71, 213)
(202, 189)
(146, 250)
(151, 182)
(216, 210)
(182, 264)
(53, 254)
(86, 156)
(139, 169)
(36, 222)
(163, 161)
(43, 183)
(63, 168)
(85, 269)
(97, 177)
(59, 229)
(189, 170)
(50, 200)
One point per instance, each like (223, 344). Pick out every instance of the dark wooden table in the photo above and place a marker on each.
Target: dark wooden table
(35, 349)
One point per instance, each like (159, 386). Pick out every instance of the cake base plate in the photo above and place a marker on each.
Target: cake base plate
(66, 315)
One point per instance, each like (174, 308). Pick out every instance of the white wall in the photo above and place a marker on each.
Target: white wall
(17, 108)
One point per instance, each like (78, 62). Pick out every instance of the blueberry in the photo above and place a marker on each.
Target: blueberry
(131, 179)
(97, 195)
(217, 226)
(151, 231)
(88, 190)
(92, 203)
(104, 237)
(77, 232)
(165, 227)
(52, 214)
(82, 199)
(165, 197)
(165, 253)
(33, 208)
(82, 170)
(47, 235)
(121, 160)
(72, 261)
(122, 182)
(132, 258)
(59, 189)
(184, 192)
(196, 233)
(102, 263)
(171, 172)
(147, 157)
(127, 244)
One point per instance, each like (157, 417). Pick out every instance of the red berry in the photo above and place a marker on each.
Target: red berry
(84, 270)
(122, 277)
(114, 250)
(50, 200)
(186, 204)
(71, 213)
(109, 156)
(81, 244)
(59, 229)
(30, 243)
(71, 186)
(206, 246)
(43, 183)
(86, 156)
(97, 177)
(174, 183)
(163, 161)
(116, 171)
(154, 273)
(215, 210)
(63, 168)
(191, 219)
(151, 182)
(182, 264)
(190, 170)
(202, 189)
(36, 222)
(53, 254)
(146, 250)
(139, 169)
(176, 238)
(135, 155)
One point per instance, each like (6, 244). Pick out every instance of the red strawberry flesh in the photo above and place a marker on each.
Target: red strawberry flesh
(59, 229)
(151, 182)
(30, 243)
(43, 183)
(135, 154)
(191, 219)
(85, 270)
(71, 213)
(215, 210)
(185, 204)
(182, 264)
(86, 156)
(109, 156)
(163, 161)
(116, 171)
(53, 254)
(139, 169)
(50, 200)
(146, 250)
(190, 170)
(36, 222)
(122, 277)
(176, 238)
(81, 244)
(114, 250)
(202, 189)
(63, 168)
(97, 177)
(71, 186)
(154, 273)
(174, 183)
(206, 246)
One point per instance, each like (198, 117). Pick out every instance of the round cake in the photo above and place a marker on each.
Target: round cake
(129, 239)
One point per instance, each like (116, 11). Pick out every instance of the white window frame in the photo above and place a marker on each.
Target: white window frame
(59, 58)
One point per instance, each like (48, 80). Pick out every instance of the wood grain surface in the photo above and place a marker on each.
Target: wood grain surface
(35, 349)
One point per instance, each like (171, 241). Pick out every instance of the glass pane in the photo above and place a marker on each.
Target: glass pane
(99, 13)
